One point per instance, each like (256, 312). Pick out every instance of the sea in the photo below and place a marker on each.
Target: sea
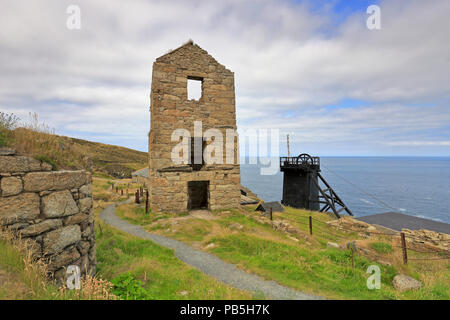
(418, 186)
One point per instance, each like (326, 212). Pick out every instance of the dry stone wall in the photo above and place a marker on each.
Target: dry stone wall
(52, 209)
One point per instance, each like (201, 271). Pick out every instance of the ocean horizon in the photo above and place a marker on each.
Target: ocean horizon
(413, 185)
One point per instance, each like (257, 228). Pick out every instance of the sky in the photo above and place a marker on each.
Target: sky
(310, 69)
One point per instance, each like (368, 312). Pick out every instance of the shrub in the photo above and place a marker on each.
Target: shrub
(127, 287)
(46, 159)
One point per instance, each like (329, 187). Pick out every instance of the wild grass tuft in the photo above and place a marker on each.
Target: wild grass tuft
(31, 275)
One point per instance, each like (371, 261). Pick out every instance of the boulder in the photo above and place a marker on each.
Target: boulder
(333, 245)
(19, 208)
(210, 246)
(55, 241)
(236, 226)
(11, 186)
(59, 204)
(403, 282)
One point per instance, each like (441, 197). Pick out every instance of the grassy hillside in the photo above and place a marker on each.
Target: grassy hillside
(300, 261)
(38, 140)
(157, 271)
(132, 268)
(139, 269)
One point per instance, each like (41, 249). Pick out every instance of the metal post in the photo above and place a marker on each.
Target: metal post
(137, 197)
(146, 202)
(310, 225)
(127, 193)
(288, 149)
(353, 259)
(405, 253)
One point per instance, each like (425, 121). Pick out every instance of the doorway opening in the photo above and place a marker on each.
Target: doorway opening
(198, 195)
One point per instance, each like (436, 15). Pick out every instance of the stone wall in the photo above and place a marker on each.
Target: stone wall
(171, 109)
(52, 209)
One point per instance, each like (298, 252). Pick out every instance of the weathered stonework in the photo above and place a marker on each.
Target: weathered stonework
(170, 110)
(59, 204)
(52, 209)
(20, 208)
(11, 186)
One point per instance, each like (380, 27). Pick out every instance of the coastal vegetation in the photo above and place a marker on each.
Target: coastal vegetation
(306, 263)
(321, 264)
(34, 138)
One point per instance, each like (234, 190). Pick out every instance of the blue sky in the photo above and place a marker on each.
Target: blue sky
(310, 69)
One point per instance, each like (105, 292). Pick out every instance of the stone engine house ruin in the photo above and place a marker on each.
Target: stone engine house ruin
(195, 184)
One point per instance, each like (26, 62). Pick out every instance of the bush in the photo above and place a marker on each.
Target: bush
(127, 287)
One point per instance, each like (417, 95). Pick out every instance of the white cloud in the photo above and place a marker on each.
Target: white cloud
(288, 61)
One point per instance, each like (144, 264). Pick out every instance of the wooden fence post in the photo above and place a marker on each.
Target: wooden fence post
(405, 253)
(310, 225)
(270, 213)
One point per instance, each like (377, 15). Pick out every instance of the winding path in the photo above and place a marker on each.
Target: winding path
(208, 263)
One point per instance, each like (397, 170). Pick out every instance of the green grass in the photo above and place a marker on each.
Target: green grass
(381, 247)
(47, 159)
(136, 214)
(23, 279)
(328, 271)
(160, 272)
(306, 264)
(103, 175)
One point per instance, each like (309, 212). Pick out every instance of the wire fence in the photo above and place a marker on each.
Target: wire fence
(402, 236)
(314, 224)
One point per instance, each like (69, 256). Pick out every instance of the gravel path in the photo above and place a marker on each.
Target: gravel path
(208, 263)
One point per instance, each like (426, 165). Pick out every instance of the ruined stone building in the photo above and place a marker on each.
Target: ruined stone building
(178, 187)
